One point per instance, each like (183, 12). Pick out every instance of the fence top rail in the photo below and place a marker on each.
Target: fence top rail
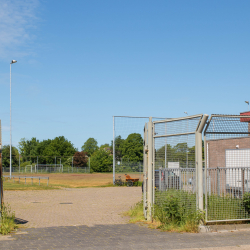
(178, 169)
(228, 168)
(177, 134)
(179, 119)
(141, 117)
(30, 177)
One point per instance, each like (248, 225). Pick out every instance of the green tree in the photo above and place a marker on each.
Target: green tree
(132, 148)
(101, 161)
(6, 156)
(90, 146)
(59, 146)
(28, 147)
(118, 147)
(105, 147)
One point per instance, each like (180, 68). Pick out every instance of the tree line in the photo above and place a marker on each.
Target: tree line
(50, 151)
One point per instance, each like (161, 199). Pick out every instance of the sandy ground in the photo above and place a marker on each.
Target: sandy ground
(69, 207)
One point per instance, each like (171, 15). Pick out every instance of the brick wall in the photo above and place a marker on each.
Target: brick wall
(217, 158)
(217, 150)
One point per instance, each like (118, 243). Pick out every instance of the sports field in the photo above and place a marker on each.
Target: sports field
(58, 180)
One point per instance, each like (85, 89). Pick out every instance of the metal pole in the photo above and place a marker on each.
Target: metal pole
(187, 144)
(145, 165)
(166, 145)
(113, 150)
(205, 174)
(187, 140)
(89, 164)
(150, 170)
(199, 162)
(19, 163)
(13, 61)
(10, 121)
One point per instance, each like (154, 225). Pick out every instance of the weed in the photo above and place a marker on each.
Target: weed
(176, 210)
(7, 220)
(136, 213)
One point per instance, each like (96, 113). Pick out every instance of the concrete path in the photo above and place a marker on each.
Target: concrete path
(73, 206)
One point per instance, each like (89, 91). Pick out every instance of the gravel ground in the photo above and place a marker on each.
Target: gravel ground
(85, 206)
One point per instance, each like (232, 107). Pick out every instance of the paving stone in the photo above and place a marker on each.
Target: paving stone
(125, 236)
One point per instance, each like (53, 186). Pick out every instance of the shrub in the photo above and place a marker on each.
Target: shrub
(176, 210)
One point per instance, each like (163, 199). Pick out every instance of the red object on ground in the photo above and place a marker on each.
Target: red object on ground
(245, 119)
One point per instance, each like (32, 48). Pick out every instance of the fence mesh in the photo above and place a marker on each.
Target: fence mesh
(128, 137)
(227, 147)
(174, 162)
(47, 164)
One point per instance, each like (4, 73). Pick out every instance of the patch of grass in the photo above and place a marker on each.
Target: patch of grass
(7, 220)
(14, 186)
(136, 213)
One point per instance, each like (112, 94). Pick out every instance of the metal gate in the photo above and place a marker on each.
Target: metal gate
(173, 160)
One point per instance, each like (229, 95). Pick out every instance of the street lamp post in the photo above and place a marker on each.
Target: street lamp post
(13, 61)
(247, 102)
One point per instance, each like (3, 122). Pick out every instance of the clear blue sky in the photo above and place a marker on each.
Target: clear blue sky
(81, 62)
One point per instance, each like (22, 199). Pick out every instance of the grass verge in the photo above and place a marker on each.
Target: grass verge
(8, 185)
(136, 213)
(7, 220)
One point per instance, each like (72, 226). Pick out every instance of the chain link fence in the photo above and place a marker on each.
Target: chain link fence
(47, 164)
(128, 146)
(174, 156)
(227, 148)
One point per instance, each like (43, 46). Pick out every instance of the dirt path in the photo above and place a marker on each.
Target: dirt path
(68, 207)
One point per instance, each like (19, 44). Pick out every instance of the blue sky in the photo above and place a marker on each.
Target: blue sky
(81, 62)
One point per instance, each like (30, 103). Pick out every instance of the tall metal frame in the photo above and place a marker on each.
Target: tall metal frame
(152, 136)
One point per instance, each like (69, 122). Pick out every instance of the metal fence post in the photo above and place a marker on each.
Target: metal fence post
(205, 174)
(218, 181)
(150, 170)
(113, 150)
(89, 164)
(145, 165)
(199, 161)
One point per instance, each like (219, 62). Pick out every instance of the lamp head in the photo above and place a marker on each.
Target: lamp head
(247, 102)
(13, 61)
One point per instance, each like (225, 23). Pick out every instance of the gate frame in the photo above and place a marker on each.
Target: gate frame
(151, 159)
